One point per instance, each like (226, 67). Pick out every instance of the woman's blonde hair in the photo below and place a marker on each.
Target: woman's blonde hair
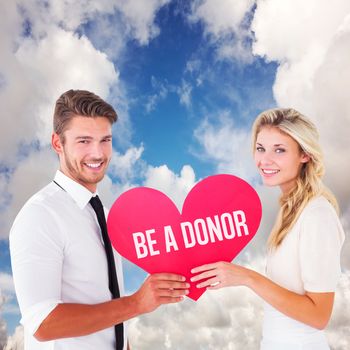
(309, 182)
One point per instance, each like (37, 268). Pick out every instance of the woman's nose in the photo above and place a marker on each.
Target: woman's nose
(266, 159)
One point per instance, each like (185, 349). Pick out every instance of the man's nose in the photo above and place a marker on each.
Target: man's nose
(96, 150)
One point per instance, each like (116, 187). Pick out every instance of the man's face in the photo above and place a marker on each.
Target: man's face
(86, 150)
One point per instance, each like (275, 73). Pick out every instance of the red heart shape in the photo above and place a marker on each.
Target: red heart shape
(224, 212)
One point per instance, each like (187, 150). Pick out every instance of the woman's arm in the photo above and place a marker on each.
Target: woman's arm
(313, 309)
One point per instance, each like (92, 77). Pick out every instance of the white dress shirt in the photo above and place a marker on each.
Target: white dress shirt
(308, 259)
(58, 256)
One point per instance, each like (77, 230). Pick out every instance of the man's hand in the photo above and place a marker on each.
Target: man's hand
(160, 288)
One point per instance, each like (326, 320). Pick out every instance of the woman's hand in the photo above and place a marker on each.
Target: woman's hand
(220, 274)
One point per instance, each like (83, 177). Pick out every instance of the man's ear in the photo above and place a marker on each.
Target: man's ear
(56, 143)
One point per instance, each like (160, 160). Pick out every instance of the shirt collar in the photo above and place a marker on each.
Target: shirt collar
(80, 194)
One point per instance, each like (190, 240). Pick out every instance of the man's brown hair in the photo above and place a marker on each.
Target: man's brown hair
(74, 103)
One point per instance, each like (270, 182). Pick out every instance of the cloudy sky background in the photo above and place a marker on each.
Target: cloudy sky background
(187, 79)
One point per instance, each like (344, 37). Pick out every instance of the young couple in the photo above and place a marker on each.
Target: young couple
(65, 287)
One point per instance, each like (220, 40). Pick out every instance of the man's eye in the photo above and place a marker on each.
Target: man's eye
(83, 141)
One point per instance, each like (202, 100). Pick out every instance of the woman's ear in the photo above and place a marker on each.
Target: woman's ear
(304, 157)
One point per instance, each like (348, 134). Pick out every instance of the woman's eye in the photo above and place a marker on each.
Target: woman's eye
(260, 149)
(280, 150)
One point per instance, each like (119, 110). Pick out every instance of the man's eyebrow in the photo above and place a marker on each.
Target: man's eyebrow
(84, 137)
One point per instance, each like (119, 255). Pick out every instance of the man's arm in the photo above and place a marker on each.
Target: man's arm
(74, 320)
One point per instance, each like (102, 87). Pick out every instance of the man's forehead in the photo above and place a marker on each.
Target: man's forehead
(89, 123)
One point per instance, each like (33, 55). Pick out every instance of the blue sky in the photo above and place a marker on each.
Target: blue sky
(164, 124)
(187, 79)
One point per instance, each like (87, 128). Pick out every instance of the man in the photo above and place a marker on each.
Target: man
(62, 271)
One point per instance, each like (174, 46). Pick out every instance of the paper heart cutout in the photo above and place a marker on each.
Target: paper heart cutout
(220, 215)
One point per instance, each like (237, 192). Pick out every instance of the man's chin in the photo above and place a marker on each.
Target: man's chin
(92, 179)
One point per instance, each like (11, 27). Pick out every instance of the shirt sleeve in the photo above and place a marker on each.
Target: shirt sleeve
(321, 239)
(36, 257)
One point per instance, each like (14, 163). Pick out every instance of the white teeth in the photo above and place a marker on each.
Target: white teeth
(266, 171)
(92, 165)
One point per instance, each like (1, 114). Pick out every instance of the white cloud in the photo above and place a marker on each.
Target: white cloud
(69, 14)
(312, 46)
(123, 165)
(174, 186)
(124, 172)
(338, 329)
(227, 145)
(16, 341)
(74, 60)
(225, 26)
(128, 170)
(3, 325)
(345, 220)
(10, 27)
(184, 92)
(193, 66)
(292, 29)
(137, 17)
(152, 102)
(226, 319)
(36, 70)
(195, 70)
(32, 173)
(140, 17)
(7, 295)
(4, 199)
(162, 90)
(6, 283)
(221, 19)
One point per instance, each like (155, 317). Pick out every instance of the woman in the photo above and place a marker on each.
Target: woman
(304, 246)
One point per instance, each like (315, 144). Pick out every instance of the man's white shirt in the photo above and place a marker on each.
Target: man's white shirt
(58, 256)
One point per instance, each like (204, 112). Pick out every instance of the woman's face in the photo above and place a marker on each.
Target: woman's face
(278, 158)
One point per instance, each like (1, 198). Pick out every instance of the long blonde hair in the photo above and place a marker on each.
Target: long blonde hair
(309, 182)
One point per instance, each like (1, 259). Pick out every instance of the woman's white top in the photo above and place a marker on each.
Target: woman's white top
(308, 259)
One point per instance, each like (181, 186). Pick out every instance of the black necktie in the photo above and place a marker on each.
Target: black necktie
(112, 274)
